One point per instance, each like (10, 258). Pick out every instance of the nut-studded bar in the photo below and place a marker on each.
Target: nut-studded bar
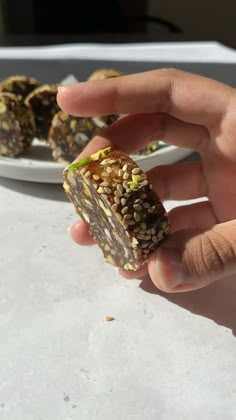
(114, 197)
(43, 103)
(69, 135)
(17, 127)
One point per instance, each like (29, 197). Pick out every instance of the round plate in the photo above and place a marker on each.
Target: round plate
(37, 165)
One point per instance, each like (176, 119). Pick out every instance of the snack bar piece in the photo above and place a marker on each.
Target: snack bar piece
(102, 74)
(43, 103)
(115, 199)
(69, 135)
(17, 126)
(149, 148)
(19, 85)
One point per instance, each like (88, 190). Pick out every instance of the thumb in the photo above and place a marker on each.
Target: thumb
(191, 259)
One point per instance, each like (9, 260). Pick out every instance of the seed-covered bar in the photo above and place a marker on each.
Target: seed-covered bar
(17, 126)
(101, 74)
(69, 135)
(19, 85)
(43, 103)
(149, 148)
(114, 197)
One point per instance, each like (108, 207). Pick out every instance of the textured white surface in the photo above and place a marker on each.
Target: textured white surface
(164, 357)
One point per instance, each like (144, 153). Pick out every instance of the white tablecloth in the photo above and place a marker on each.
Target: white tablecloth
(164, 357)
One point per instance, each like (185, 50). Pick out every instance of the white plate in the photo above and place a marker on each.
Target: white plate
(37, 164)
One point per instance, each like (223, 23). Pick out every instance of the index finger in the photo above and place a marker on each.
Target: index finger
(188, 97)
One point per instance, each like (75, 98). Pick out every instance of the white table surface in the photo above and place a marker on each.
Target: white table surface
(164, 357)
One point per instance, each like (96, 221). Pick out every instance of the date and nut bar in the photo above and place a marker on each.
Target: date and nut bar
(17, 127)
(115, 199)
(43, 103)
(69, 135)
(101, 74)
(19, 85)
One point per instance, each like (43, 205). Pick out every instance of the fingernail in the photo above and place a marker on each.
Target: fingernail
(169, 267)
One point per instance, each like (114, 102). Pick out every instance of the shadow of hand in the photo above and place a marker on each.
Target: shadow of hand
(216, 302)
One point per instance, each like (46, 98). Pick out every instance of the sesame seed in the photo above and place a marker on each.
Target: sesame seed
(125, 185)
(104, 196)
(124, 210)
(95, 186)
(108, 318)
(136, 171)
(137, 207)
(136, 255)
(118, 194)
(100, 190)
(155, 239)
(126, 224)
(152, 209)
(108, 190)
(96, 177)
(146, 251)
(104, 174)
(138, 201)
(146, 205)
(160, 235)
(132, 222)
(111, 161)
(127, 217)
(114, 206)
(137, 217)
(147, 238)
(87, 174)
(117, 200)
(125, 167)
(144, 183)
(119, 188)
(109, 169)
(144, 245)
(104, 184)
(83, 170)
(153, 231)
(126, 175)
(123, 201)
(120, 172)
(140, 236)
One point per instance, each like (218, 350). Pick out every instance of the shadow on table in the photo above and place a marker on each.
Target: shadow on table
(216, 302)
(48, 191)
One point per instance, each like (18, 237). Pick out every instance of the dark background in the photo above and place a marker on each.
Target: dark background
(37, 22)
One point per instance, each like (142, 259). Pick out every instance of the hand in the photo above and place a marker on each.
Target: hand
(185, 110)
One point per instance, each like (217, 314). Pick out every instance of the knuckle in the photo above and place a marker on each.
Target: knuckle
(210, 254)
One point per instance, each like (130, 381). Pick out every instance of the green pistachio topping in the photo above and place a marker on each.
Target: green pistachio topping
(101, 154)
(134, 184)
(81, 162)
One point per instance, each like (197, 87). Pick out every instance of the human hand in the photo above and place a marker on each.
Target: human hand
(189, 111)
